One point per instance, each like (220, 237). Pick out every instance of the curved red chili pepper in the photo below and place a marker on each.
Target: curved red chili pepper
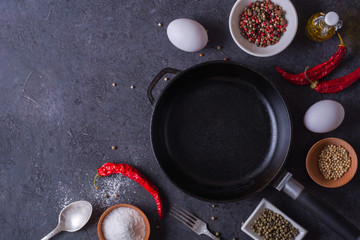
(335, 85)
(318, 71)
(133, 174)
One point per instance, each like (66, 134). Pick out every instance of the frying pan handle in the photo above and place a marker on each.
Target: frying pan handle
(328, 215)
(324, 212)
(157, 79)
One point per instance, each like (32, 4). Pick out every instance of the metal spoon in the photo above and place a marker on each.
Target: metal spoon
(73, 217)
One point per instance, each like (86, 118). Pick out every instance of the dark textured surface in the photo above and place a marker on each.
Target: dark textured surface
(60, 115)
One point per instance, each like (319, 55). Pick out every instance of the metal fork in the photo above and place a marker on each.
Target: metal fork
(192, 222)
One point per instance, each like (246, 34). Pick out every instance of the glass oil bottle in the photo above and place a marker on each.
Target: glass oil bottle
(322, 26)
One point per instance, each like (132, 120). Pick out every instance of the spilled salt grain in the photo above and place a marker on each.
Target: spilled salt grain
(110, 185)
(125, 224)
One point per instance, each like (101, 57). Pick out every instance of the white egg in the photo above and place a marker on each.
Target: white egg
(324, 116)
(187, 35)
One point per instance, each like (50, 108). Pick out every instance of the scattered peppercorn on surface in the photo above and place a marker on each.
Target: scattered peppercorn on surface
(263, 23)
(271, 225)
(334, 161)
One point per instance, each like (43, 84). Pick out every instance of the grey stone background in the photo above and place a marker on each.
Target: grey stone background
(60, 115)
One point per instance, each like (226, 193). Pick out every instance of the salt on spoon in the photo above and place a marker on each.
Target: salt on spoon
(72, 218)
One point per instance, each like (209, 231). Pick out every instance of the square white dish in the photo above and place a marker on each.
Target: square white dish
(246, 227)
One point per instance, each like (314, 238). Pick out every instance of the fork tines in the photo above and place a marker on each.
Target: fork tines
(184, 216)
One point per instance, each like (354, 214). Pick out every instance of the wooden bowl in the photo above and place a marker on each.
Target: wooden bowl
(147, 224)
(313, 168)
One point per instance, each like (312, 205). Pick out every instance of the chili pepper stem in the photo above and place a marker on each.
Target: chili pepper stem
(312, 83)
(97, 175)
(341, 41)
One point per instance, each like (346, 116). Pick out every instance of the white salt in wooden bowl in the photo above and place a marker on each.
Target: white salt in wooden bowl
(103, 216)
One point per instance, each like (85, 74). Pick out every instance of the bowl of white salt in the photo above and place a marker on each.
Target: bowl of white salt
(125, 222)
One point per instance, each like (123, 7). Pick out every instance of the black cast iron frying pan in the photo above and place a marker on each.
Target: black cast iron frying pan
(221, 132)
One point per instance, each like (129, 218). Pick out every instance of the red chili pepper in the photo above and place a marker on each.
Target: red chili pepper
(133, 174)
(318, 71)
(335, 85)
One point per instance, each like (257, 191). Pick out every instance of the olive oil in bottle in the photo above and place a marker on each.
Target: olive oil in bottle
(322, 26)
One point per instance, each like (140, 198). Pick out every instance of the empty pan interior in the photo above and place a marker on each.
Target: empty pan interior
(220, 132)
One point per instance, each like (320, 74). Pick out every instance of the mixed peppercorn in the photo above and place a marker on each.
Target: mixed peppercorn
(263, 23)
(271, 225)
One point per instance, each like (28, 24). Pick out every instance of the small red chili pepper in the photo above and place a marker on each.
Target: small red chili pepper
(318, 71)
(334, 85)
(133, 174)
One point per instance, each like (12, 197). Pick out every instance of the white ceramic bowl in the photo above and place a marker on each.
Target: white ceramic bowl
(246, 227)
(251, 48)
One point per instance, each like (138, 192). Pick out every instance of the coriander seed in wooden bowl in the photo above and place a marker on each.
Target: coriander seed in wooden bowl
(331, 162)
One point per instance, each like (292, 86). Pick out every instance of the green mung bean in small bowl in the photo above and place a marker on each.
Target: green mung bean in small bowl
(268, 222)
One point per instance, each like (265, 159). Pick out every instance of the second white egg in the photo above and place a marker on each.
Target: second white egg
(324, 116)
(187, 34)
